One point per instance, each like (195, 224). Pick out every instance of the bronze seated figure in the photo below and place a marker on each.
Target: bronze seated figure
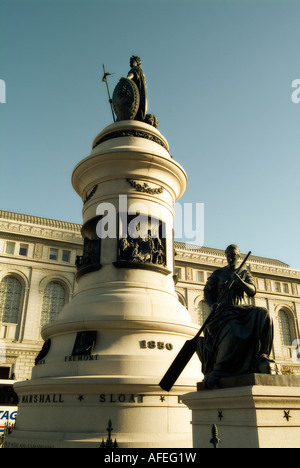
(238, 338)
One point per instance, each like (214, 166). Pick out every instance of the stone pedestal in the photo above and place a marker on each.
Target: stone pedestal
(255, 411)
(111, 345)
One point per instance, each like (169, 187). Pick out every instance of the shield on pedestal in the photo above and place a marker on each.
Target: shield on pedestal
(126, 99)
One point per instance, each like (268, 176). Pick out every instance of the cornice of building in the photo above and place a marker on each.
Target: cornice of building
(30, 219)
(216, 257)
(43, 228)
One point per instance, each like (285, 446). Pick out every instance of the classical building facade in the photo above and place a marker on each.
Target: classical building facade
(38, 277)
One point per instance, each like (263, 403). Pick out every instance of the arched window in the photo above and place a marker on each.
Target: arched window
(53, 301)
(203, 312)
(10, 299)
(286, 328)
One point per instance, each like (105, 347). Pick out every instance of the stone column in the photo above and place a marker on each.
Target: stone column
(117, 337)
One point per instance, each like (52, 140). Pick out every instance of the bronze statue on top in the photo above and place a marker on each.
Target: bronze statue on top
(136, 74)
(129, 98)
(238, 338)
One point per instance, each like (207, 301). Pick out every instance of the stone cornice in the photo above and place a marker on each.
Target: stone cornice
(271, 270)
(216, 258)
(28, 219)
(33, 226)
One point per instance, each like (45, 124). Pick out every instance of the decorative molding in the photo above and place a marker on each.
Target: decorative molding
(212, 257)
(56, 234)
(62, 280)
(11, 270)
(131, 133)
(23, 218)
(268, 269)
(210, 251)
(145, 188)
(286, 306)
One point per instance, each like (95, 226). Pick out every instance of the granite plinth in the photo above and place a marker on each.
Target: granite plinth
(250, 411)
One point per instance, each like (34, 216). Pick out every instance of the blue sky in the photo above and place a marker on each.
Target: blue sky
(219, 76)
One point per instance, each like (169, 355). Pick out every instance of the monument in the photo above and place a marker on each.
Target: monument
(104, 357)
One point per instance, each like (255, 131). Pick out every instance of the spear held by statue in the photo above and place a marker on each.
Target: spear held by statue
(104, 79)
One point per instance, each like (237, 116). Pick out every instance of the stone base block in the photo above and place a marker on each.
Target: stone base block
(263, 412)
